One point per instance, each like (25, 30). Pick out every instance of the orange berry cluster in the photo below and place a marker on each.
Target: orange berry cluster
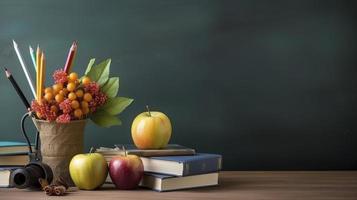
(72, 90)
(70, 98)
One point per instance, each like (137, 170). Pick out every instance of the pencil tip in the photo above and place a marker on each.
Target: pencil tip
(7, 73)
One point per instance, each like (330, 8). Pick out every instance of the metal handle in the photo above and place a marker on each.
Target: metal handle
(33, 156)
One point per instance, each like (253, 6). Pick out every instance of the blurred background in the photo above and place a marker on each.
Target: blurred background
(270, 85)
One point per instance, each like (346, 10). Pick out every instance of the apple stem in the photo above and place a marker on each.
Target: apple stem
(125, 154)
(147, 107)
(91, 150)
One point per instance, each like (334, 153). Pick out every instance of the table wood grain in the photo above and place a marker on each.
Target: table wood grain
(245, 185)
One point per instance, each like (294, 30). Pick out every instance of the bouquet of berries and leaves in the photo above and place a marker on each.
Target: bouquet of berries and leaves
(92, 96)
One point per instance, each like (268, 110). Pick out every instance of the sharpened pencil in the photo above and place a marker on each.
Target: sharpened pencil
(70, 57)
(38, 62)
(33, 57)
(17, 88)
(24, 68)
(42, 75)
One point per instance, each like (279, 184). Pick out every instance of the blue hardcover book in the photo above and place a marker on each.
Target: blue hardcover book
(200, 163)
(8, 148)
(11, 143)
(162, 183)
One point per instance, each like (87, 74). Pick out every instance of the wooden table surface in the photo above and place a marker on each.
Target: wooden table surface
(245, 185)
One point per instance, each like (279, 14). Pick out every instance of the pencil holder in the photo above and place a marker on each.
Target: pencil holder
(59, 143)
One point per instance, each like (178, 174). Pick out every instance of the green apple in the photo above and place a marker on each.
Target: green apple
(88, 171)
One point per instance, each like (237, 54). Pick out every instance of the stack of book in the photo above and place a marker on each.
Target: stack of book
(12, 156)
(172, 168)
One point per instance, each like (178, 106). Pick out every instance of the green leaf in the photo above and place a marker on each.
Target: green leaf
(90, 64)
(100, 72)
(116, 105)
(111, 87)
(104, 119)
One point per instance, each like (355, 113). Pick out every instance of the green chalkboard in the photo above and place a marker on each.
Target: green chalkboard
(267, 84)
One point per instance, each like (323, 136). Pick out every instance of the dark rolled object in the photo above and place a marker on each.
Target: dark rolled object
(28, 176)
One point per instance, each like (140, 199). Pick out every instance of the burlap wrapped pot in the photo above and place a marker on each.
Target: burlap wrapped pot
(59, 143)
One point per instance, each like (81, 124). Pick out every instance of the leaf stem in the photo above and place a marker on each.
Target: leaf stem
(147, 107)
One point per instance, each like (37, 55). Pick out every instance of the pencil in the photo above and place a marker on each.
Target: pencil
(42, 74)
(38, 61)
(40, 77)
(74, 55)
(33, 55)
(17, 88)
(70, 57)
(24, 68)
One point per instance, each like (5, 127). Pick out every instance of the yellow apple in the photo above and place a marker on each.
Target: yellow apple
(88, 171)
(151, 130)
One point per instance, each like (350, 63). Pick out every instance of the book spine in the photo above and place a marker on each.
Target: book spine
(14, 154)
(202, 166)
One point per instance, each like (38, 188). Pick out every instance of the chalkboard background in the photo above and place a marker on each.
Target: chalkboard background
(269, 84)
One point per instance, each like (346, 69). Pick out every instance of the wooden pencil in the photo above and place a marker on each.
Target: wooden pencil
(42, 74)
(17, 88)
(38, 63)
(40, 78)
(70, 57)
(75, 46)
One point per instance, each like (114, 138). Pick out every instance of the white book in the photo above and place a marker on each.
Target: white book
(162, 183)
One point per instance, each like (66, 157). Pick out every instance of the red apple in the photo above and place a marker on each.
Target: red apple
(126, 171)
